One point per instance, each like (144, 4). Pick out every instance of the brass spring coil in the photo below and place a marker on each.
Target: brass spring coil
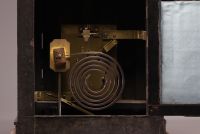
(113, 81)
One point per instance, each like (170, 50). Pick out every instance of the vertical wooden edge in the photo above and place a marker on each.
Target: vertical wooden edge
(153, 11)
(25, 66)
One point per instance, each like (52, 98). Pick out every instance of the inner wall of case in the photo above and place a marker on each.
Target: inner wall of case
(51, 15)
(180, 37)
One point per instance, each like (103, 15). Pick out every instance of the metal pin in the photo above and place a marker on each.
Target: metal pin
(42, 41)
(42, 73)
(59, 94)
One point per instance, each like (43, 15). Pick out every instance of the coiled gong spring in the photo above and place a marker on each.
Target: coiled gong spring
(110, 76)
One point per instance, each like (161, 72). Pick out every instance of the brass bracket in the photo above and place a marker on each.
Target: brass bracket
(59, 53)
(110, 45)
(124, 34)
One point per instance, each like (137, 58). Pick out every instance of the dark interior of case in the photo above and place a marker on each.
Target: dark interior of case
(50, 18)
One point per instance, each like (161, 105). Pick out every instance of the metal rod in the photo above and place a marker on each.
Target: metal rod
(59, 94)
(69, 103)
(76, 106)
